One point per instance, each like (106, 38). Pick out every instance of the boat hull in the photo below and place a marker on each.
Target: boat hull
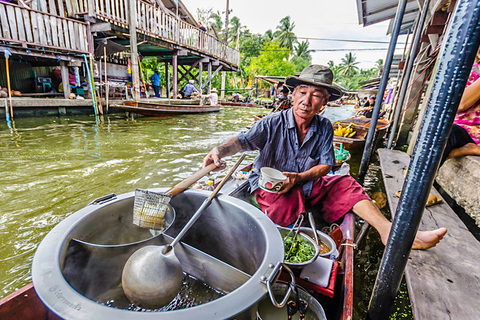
(160, 109)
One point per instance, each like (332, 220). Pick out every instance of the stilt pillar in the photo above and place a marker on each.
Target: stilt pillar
(65, 81)
(175, 75)
(200, 80)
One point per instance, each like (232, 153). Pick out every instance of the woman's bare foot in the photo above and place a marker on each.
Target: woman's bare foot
(424, 239)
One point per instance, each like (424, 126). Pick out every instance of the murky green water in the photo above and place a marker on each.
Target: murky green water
(52, 167)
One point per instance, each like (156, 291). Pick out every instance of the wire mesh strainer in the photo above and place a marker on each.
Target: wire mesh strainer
(149, 209)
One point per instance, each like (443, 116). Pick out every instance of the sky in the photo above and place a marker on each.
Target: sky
(327, 19)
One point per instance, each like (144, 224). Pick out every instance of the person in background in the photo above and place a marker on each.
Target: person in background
(201, 27)
(188, 89)
(464, 139)
(299, 142)
(235, 97)
(213, 97)
(155, 78)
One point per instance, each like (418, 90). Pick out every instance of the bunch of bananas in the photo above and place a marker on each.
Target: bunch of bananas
(346, 132)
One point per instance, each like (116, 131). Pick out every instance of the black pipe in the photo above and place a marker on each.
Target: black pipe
(381, 89)
(408, 71)
(459, 48)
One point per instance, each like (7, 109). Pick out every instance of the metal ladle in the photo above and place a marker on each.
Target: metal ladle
(152, 276)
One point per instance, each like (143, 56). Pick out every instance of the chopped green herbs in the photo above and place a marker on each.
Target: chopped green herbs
(301, 252)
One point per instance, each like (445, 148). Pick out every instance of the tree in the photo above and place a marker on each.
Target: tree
(210, 19)
(286, 37)
(273, 61)
(235, 31)
(302, 51)
(348, 66)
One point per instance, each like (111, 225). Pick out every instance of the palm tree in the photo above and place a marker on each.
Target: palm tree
(302, 50)
(235, 30)
(348, 66)
(286, 37)
(269, 34)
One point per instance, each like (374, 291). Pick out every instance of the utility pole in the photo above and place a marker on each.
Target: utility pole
(132, 15)
(227, 12)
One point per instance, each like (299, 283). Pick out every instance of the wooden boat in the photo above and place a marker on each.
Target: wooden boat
(361, 126)
(162, 109)
(337, 299)
(240, 104)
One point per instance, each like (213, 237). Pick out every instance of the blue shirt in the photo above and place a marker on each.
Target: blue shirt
(155, 79)
(188, 90)
(275, 136)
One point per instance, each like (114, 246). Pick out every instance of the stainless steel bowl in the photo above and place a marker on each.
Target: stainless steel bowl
(284, 231)
(323, 237)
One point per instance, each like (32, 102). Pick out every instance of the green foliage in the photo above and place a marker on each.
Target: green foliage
(285, 36)
(302, 50)
(273, 61)
(300, 63)
(348, 66)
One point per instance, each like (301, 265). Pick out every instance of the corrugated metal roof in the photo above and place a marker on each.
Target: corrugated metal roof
(375, 11)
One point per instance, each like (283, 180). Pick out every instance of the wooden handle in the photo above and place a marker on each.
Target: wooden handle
(225, 179)
(190, 180)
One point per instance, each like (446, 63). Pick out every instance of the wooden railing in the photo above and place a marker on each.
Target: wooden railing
(30, 27)
(155, 23)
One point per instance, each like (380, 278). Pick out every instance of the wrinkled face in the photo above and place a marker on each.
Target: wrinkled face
(309, 100)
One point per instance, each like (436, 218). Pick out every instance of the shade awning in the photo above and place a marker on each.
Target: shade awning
(375, 11)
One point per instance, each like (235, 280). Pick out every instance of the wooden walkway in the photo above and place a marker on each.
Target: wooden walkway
(443, 282)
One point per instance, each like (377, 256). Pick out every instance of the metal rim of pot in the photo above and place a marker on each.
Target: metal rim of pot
(61, 298)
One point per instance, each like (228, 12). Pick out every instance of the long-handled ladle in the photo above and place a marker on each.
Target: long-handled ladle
(152, 276)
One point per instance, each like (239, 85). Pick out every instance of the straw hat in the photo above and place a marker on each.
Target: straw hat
(214, 90)
(317, 75)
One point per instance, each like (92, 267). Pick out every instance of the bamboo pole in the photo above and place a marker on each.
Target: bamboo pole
(8, 87)
(106, 79)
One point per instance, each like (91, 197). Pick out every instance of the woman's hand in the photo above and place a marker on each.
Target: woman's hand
(292, 179)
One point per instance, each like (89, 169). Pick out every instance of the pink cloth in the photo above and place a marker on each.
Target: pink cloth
(470, 118)
(333, 196)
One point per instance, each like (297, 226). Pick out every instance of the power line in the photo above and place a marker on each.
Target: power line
(346, 40)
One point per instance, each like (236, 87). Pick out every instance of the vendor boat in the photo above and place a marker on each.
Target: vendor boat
(158, 109)
(361, 127)
(71, 301)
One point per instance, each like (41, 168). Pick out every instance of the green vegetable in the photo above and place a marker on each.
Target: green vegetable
(301, 252)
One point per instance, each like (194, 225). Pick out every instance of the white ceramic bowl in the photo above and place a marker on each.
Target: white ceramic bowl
(271, 180)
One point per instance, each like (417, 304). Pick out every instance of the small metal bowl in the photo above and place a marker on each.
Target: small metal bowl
(284, 231)
(323, 237)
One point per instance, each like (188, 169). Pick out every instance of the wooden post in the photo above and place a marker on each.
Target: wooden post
(66, 83)
(209, 68)
(8, 87)
(132, 14)
(167, 80)
(175, 75)
(222, 93)
(200, 72)
(106, 79)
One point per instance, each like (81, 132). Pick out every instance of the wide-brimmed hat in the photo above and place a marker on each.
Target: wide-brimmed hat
(317, 75)
(214, 90)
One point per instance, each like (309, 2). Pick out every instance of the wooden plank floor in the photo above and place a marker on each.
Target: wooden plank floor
(444, 281)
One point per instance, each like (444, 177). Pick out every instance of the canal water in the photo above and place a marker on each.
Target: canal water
(52, 167)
